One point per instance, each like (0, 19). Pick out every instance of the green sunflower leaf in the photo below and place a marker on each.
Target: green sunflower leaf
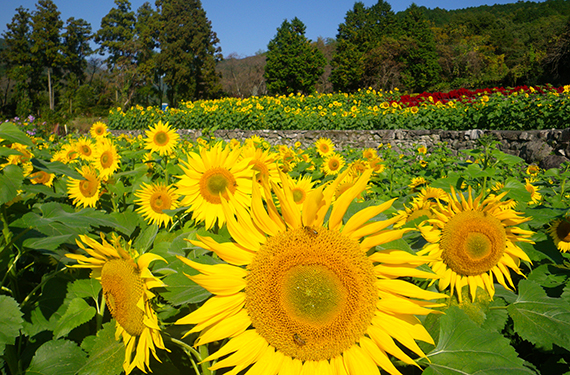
(181, 290)
(10, 321)
(11, 179)
(86, 288)
(57, 357)
(12, 133)
(106, 355)
(78, 312)
(540, 319)
(465, 348)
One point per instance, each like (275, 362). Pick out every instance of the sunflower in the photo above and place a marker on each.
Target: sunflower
(67, 154)
(309, 299)
(474, 240)
(369, 154)
(559, 230)
(535, 196)
(533, 170)
(376, 165)
(85, 191)
(43, 178)
(332, 164)
(126, 280)
(105, 158)
(263, 162)
(422, 150)
(301, 187)
(85, 148)
(324, 146)
(417, 182)
(155, 198)
(161, 139)
(99, 130)
(214, 173)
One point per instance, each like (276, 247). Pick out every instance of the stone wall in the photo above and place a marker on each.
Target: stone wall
(547, 148)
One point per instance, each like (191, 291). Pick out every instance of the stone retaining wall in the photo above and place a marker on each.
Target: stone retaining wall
(547, 148)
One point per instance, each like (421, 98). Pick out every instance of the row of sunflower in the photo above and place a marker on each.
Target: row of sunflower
(157, 253)
(525, 108)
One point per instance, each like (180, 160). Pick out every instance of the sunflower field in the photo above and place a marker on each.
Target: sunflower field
(498, 108)
(123, 254)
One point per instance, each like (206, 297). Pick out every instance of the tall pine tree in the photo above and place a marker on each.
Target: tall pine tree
(188, 51)
(293, 64)
(46, 44)
(17, 57)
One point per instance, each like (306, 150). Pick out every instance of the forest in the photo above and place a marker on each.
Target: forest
(48, 69)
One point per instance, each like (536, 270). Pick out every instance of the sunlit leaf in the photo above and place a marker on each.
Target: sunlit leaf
(540, 319)
(77, 313)
(106, 354)
(86, 288)
(57, 357)
(11, 179)
(12, 133)
(464, 348)
(10, 321)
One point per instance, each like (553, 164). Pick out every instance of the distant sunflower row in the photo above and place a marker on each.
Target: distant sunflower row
(307, 281)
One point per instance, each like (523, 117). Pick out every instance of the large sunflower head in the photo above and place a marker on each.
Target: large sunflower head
(155, 198)
(126, 282)
(300, 294)
(475, 241)
(161, 138)
(85, 191)
(332, 164)
(105, 158)
(99, 130)
(85, 148)
(324, 146)
(42, 177)
(559, 230)
(210, 176)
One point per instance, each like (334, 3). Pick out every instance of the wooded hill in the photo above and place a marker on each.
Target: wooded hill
(522, 43)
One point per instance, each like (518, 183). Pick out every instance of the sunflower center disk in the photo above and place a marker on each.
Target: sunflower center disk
(563, 230)
(217, 181)
(161, 138)
(310, 293)
(313, 294)
(88, 188)
(473, 243)
(298, 195)
(123, 288)
(159, 202)
(106, 160)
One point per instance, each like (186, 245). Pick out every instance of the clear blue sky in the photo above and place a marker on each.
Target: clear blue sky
(244, 26)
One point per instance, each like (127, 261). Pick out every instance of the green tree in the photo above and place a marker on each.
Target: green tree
(557, 61)
(116, 39)
(293, 64)
(17, 58)
(75, 49)
(361, 32)
(146, 41)
(422, 67)
(188, 53)
(46, 44)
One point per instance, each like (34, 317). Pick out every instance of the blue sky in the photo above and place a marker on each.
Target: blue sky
(244, 27)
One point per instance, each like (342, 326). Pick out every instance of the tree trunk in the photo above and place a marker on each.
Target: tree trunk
(51, 104)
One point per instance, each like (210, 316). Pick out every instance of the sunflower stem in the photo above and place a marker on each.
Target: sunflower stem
(199, 355)
(205, 365)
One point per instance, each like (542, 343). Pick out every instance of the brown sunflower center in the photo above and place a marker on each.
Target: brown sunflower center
(88, 187)
(123, 288)
(161, 138)
(472, 242)
(334, 164)
(310, 293)
(563, 230)
(86, 150)
(324, 148)
(299, 195)
(217, 181)
(106, 159)
(40, 177)
(160, 201)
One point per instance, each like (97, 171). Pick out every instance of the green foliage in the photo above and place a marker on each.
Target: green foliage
(465, 348)
(57, 357)
(10, 321)
(188, 51)
(293, 64)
